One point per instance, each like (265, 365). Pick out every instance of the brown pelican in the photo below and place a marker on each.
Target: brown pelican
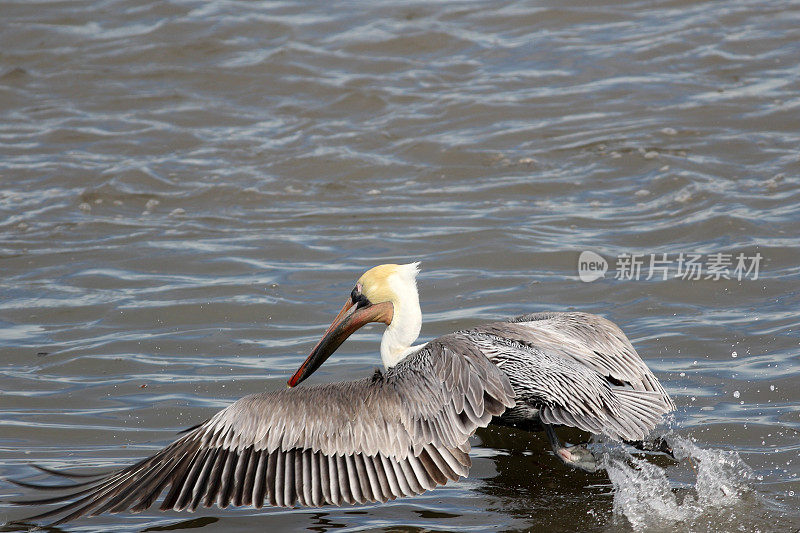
(403, 430)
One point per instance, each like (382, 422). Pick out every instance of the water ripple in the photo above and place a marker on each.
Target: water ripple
(189, 189)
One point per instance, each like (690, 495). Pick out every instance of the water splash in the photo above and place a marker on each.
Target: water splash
(652, 497)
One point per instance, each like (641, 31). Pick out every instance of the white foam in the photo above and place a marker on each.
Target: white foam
(649, 496)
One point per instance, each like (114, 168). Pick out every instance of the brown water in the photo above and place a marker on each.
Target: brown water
(189, 189)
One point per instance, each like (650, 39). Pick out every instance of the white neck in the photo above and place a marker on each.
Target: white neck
(406, 321)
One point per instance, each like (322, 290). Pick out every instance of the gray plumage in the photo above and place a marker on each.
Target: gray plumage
(395, 434)
(574, 369)
(398, 433)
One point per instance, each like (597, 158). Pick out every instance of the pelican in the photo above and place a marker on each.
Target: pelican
(401, 431)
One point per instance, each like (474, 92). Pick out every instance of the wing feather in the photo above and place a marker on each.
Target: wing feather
(396, 434)
(260, 479)
(577, 370)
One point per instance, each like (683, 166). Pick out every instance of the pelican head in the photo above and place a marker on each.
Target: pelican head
(385, 293)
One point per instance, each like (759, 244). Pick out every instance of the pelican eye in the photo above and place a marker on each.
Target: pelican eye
(357, 298)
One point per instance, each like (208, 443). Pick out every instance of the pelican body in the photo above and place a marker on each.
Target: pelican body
(401, 431)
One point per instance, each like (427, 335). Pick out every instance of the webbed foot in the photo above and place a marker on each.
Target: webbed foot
(578, 456)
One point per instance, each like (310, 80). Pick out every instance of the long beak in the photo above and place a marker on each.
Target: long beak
(349, 319)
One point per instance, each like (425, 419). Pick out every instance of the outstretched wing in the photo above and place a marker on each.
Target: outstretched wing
(578, 370)
(395, 434)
